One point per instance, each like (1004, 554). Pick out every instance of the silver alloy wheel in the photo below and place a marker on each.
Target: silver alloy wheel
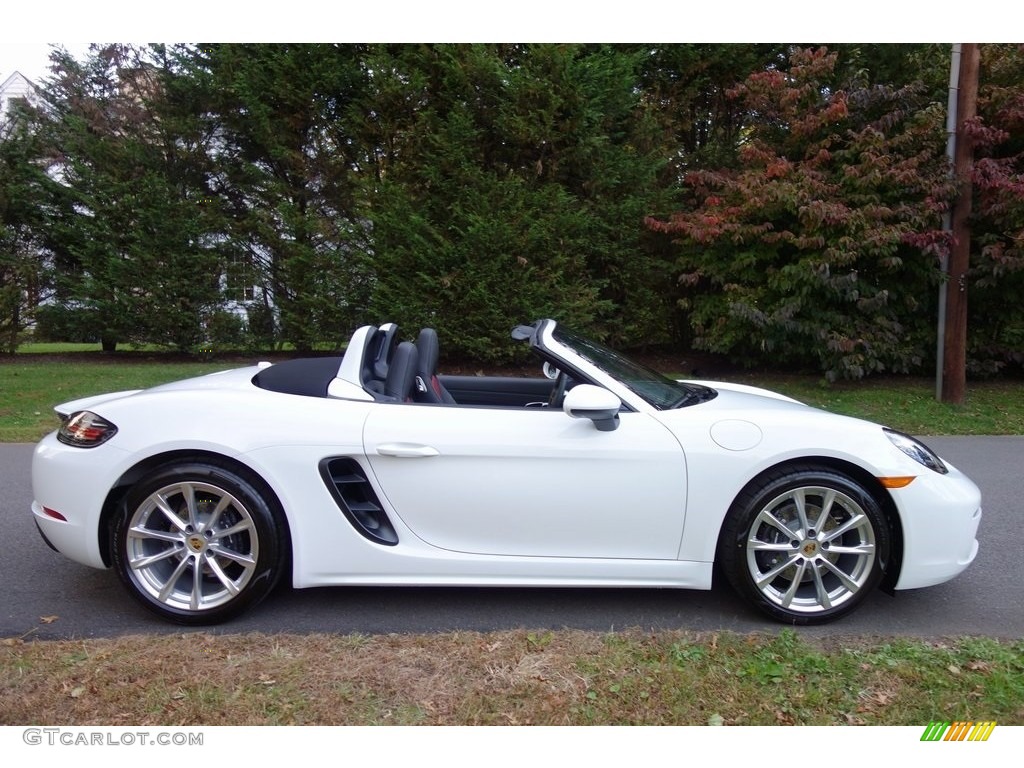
(191, 546)
(811, 549)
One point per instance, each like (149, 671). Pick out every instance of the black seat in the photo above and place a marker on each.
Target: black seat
(401, 373)
(429, 388)
(387, 342)
(380, 347)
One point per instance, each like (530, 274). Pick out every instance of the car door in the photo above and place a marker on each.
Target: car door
(530, 481)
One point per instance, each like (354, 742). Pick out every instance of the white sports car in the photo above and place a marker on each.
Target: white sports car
(371, 469)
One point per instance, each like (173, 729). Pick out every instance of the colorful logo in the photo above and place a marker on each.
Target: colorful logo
(958, 731)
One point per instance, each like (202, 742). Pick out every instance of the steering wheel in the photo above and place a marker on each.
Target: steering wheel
(558, 390)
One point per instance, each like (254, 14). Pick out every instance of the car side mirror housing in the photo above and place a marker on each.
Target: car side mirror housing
(585, 401)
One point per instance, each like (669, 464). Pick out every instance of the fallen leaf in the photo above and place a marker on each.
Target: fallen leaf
(716, 719)
(48, 619)
(76, 692)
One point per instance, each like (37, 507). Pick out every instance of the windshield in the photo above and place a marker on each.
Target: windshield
(657, 389)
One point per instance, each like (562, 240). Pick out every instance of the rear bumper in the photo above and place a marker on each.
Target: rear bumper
(73, 482)
(42, 535)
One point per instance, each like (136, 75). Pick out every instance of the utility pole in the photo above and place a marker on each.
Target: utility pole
(947, 217)
(954, 379)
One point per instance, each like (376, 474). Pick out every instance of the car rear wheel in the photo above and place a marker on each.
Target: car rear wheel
(197, 543)
(805, 545)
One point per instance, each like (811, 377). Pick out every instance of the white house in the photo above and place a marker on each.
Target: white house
(17, 86)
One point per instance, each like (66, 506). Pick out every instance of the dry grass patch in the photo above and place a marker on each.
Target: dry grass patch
(508, 678)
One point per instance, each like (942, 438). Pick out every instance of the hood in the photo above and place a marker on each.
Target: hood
(741, 416)
(725, 386)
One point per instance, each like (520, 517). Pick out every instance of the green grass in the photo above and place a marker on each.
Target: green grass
(56, 347)
(68, 347)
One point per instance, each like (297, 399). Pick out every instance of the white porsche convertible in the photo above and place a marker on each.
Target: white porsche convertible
(371, 469)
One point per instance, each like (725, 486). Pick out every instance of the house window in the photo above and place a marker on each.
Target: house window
(241, 280)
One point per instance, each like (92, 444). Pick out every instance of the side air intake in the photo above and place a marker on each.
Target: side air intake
(350, 488)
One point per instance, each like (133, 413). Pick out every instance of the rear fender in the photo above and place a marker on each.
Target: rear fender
(86, 403)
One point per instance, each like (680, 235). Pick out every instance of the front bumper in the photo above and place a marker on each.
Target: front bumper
(940, 515)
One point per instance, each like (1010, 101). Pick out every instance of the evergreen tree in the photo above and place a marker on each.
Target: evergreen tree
(130, 227)
(510, 183)
(472, 187)
(24, 257)
(287, 178)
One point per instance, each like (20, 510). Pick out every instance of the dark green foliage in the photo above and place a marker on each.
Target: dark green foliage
(688, 85)
(129, 227)
(287, 178)
(896, 65)
(24, 266)
(510, 183)
(62, 323)
(811, 253)
(221, 194)
(996, 314)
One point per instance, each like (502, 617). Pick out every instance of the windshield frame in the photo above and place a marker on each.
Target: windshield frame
(653, 389)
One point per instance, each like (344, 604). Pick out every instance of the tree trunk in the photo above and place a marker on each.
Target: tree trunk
(108, 342)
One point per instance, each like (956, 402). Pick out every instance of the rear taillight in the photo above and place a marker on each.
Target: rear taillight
(86, 430)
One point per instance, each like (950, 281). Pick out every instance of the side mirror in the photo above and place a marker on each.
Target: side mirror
(585, 401)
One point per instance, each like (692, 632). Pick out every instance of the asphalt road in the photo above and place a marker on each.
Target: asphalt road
(44, 595)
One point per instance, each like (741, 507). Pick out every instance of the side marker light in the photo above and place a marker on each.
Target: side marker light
(896, 482)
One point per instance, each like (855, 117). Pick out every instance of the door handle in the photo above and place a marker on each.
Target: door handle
(407, 450)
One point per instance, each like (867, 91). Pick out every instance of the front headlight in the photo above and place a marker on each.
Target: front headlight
(916, 450)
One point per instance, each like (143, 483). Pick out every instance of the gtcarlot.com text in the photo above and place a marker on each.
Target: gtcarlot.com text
(67, 737)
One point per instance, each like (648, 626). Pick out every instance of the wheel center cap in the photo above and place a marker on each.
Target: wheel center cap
(196, 543)
(810, 548)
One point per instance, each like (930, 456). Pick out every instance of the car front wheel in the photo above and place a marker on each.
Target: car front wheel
(197, 543)
(805, 545)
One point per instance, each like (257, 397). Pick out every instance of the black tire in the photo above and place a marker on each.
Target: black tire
(198, 543)
(811, 567)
